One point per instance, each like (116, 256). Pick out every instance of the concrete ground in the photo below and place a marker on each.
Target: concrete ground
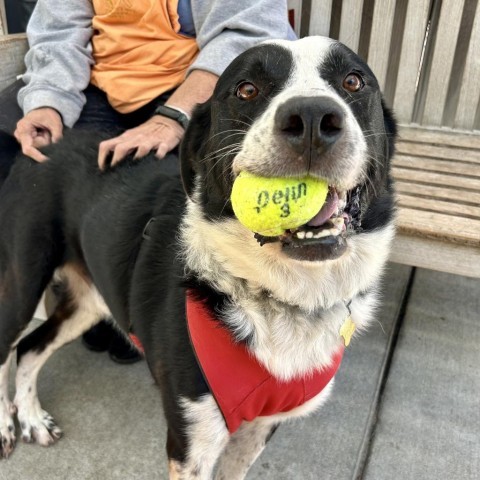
(406, 403)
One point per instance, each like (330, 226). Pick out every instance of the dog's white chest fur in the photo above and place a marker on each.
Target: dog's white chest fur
(291, 313)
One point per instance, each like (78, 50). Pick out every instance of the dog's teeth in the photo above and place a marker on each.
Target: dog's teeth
(323, 233)
(337, 222)
(309, 235)
(300, 235)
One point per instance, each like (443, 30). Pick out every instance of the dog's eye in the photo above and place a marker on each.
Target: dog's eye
(353, 82)
(247, 91)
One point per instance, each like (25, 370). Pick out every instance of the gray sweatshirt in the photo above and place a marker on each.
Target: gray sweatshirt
(60, 56)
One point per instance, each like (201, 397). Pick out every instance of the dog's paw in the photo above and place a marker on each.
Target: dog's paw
(39, 427)
(7, 429)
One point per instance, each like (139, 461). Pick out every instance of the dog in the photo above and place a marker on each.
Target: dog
(166, 256)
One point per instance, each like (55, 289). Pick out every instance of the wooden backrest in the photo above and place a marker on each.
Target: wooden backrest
(425, 53)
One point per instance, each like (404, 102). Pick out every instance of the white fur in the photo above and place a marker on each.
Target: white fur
(292, 309)
(7, 411)
(207, 434)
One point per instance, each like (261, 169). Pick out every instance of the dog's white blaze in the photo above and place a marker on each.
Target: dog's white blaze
(292, 309)
(37, 424)
(261, 145)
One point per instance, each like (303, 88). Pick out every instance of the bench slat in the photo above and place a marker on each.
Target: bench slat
(452, 181)
(351, 23)
(469, 98)
(320, 14)
(437, 255)
(438, 206)
(437, 137)
(378, 54)
(442, 166)
(465, 197)
(439, 226)
(442, 61)
(439, 152)
(412, 46)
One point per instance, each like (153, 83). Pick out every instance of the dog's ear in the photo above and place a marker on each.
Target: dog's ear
(194, 144)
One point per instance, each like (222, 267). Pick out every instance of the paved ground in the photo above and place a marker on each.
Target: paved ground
(406, 403)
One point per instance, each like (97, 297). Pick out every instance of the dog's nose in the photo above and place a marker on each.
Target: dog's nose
(310, 123)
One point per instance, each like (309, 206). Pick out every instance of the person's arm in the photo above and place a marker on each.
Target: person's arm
(58, 70)
(224, 29)
(59, 59)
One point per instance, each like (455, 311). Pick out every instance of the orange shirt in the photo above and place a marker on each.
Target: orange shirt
(138, 50)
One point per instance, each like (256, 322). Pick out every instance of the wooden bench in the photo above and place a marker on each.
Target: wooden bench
(425, 55)
(438, 185)
(12, 51)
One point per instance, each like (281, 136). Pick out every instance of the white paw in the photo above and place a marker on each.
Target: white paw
(38, 426)
(7, 429)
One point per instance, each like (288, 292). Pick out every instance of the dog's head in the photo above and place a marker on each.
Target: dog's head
(292, 109)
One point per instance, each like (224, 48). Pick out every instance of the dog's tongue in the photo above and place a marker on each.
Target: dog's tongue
(328, 209)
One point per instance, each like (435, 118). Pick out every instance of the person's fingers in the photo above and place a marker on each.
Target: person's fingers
(25, 135)
(156, 135)
(142, 151)
(41, 139)
(121, 150)
(38, 129)
(30, 151)
(104, 150)
(162, 151)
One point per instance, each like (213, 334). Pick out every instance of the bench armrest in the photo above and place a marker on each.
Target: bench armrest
(12, 52)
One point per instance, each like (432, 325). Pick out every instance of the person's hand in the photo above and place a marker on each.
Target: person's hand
(159, 134)
(39, 128)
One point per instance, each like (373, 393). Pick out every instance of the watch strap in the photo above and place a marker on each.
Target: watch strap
(174, 113)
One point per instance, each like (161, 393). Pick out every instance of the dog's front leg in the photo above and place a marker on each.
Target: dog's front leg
(7, 411)
(244, 447)
(205, 436)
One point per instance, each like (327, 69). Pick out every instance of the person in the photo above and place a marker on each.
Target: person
(132, 69)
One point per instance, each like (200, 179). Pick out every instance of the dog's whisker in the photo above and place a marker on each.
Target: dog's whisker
(239, 131)
(220, 150)
(233, 150)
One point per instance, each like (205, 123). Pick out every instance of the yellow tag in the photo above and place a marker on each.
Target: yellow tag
(347, 329)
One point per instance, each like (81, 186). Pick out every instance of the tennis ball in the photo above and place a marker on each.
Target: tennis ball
(269, 206)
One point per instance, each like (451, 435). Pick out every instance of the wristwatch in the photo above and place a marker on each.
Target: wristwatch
(174, 113)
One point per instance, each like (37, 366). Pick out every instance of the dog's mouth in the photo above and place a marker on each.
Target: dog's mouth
(324, 237)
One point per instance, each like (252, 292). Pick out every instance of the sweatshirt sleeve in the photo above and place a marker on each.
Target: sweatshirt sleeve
(59, 60)
(226, 28)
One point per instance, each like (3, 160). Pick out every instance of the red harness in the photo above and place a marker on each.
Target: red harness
(241, 386)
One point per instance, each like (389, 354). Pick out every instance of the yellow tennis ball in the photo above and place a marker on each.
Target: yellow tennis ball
(269, 206)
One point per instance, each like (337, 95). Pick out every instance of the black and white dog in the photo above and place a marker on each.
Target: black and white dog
(287, 304)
